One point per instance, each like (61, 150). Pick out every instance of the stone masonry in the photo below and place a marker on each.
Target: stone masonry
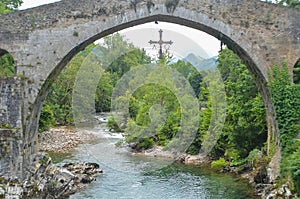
(43, 40)
(11, 139)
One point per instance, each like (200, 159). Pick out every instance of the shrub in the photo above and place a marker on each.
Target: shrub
(146, 143)
(113, 125)
(232, 154)
(219, 164)
(295, 170)
(47, 119)
(253, 156)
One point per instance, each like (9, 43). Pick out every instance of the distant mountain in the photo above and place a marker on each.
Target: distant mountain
(200, 63)
(208, 64)
(193, 59)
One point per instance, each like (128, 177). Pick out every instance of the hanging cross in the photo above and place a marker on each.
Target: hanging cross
(160, 42)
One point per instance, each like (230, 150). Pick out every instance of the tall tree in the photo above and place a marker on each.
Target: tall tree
(245, 123)
(9, 5)
(290, 3)
(115, 54)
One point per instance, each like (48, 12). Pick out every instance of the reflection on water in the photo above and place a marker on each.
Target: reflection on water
(137, 177)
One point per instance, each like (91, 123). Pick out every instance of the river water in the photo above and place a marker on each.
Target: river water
(137, 177)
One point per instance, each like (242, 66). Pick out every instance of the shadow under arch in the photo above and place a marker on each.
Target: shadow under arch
(3, 52)
(258, 76)
(296, 72)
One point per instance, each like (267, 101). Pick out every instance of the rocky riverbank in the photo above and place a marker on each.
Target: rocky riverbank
(184, 158)
(50, 181)
(62, 139)
(70, 177)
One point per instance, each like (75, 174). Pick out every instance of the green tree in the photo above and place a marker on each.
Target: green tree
(245, 123)
(104, 92)
(59, 98)
(9, 5)
(12, 4)
(145, 98)
(134, 57)
(47, 119)
(4, 9)
(115, 54)
(289, 3)
(184, 68)
(195, 80)
(6, 66)
(286, 100)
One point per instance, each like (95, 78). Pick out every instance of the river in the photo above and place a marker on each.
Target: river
(137, 177)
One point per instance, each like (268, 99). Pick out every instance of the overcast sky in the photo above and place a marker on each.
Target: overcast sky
(186, 40)
(33, 3)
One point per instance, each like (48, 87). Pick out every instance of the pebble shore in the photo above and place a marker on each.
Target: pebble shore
(62, 139)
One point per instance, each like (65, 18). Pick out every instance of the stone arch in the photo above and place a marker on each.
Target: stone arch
(3, 52)
(43, 40)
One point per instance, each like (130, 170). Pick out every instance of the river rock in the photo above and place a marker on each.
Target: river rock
(196, 159)
(260, 175)
(62, 139)
(84, 171)
(271, 192)
(51, 181)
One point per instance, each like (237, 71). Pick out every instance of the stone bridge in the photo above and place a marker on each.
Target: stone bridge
(43, 40)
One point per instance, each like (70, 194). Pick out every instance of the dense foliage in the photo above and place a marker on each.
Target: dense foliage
(290, 3)
(153, 97)
(6, 66)
(244, 134)
(245, 124)
(245, 128)
(58, 104)
(286, 100)
(9, 5)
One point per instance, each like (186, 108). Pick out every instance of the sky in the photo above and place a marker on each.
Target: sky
(33, 3)
(185, 40)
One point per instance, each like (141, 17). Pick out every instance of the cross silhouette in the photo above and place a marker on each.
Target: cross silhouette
(160, 42)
